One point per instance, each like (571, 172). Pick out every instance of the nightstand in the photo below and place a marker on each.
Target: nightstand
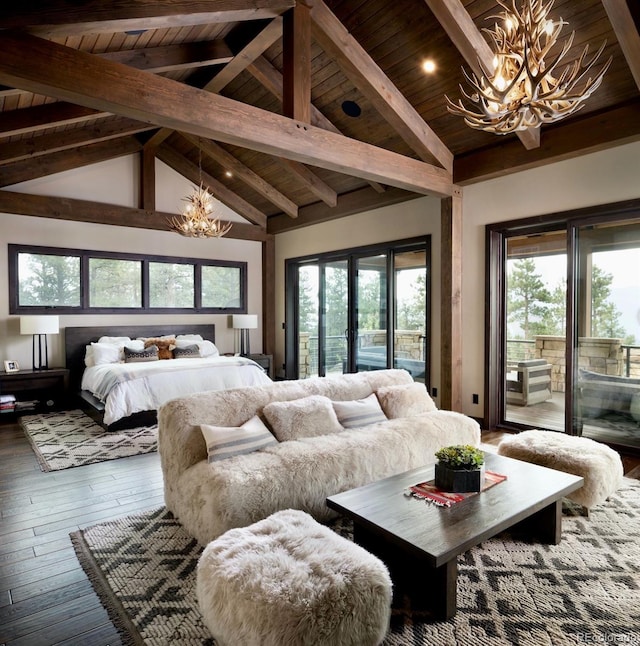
(49, 388)
(264, 360)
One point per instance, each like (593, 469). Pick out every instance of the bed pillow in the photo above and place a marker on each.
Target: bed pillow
(164, 345)
(405, 400)
(102, 353)
(359, 412)
(226, 442)
(206, 348)
(189, 337)
(305, 417)
(150, 353)
(116, 340)
(186, 352)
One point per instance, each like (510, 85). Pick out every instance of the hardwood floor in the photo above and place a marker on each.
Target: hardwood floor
(45, 597)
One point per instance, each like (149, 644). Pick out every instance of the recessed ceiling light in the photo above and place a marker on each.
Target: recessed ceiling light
(351, 108)
(228, 173)
(429, 66)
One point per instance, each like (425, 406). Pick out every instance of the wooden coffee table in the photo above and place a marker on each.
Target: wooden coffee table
(420, 542)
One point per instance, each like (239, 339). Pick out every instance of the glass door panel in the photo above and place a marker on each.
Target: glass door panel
(410, 316)
(334, 318)
(308, 306)
(607, 358)
(535, 329)
(371, 313)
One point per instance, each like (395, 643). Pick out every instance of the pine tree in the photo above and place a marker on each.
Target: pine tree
(527, 298)
(605, 316)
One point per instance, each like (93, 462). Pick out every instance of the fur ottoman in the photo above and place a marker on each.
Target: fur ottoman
(289, 581)
(599, 465)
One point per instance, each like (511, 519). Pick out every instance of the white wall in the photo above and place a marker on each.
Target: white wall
(407, 220)
(116, 182)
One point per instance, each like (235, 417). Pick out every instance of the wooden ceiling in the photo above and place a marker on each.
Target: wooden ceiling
(259, 88)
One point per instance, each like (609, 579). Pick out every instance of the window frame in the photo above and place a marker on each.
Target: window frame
(84, 308)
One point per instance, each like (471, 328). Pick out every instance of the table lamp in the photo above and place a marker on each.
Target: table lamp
(39, 326)
(243, 323)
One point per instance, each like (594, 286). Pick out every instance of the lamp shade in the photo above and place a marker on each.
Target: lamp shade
(244, 321)
(45, 324)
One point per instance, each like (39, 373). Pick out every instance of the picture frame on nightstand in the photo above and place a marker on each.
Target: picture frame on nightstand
(11, 366)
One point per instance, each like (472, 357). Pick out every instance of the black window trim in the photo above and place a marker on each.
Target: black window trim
(15, 308)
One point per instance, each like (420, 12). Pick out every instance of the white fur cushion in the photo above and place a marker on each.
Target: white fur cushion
(359, 412)
(305, 417)
(289, 581)
(226, 442)
(405, 400)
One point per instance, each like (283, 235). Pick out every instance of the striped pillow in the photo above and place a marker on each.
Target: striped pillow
(359, 412)
(225, 442)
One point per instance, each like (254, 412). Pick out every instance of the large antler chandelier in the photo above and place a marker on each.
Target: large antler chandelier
(525, 90)
(195, 219)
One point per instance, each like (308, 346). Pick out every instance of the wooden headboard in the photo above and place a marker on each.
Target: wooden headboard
(77, 338)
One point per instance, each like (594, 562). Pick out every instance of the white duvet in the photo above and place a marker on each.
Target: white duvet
(127, 388)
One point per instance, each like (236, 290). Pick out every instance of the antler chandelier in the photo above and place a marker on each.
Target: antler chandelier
(195, 219)
(523, 91)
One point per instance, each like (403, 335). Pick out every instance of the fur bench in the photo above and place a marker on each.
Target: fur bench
(599, 465)
(289, 580)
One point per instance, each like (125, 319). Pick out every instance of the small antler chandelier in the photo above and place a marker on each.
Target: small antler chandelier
(195, 219)
(523, 91)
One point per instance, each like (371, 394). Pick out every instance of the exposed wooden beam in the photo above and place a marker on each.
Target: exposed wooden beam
(367, 76)
(265, 37)
(313, 183)
(187, 169)
(565, 140)
(363, 199)
(44, 165)
(48, 115)
(627, 34)
(65, 208)
(68, 74)
(296, 52)
(245, 174)
(468, 39)
(451, 302)
(148, 179)
(62, 17)
(103, 130)
(269, 297)
(173, 57)
(262, 70)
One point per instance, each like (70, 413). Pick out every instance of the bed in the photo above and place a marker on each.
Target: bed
(119, 394)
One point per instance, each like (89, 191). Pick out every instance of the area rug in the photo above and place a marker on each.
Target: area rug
(510, 592)
(71, 439)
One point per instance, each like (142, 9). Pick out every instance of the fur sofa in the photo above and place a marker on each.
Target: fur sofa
(210, 495)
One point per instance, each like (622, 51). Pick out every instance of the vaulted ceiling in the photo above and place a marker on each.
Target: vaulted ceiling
(296, 114)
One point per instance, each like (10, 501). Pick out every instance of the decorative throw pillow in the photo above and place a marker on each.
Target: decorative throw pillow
(405, 400)
(226, 442)
(187, 352)
(359, 412)
(105, 353)
(305, 417)
(189, 337)
(150, 353)
(165, 346)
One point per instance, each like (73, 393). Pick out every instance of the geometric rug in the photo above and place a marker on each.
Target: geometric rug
(71, 439)
(510, 591)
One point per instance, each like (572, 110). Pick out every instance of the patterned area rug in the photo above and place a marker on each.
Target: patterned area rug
(71, 439)
(585, 590)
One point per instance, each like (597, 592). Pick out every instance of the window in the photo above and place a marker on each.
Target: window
(43, 279)
(359, 309)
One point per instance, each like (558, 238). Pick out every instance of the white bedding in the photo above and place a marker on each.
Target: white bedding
(127, 388)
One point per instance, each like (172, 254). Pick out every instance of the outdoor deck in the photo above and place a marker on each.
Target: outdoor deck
(615, 429)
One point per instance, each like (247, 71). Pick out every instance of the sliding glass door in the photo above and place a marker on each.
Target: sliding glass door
(563, 341)
(357, 310)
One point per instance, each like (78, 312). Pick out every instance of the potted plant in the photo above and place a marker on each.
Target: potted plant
(459, 468)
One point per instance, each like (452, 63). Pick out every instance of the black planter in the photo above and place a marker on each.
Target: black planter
(458, 480)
